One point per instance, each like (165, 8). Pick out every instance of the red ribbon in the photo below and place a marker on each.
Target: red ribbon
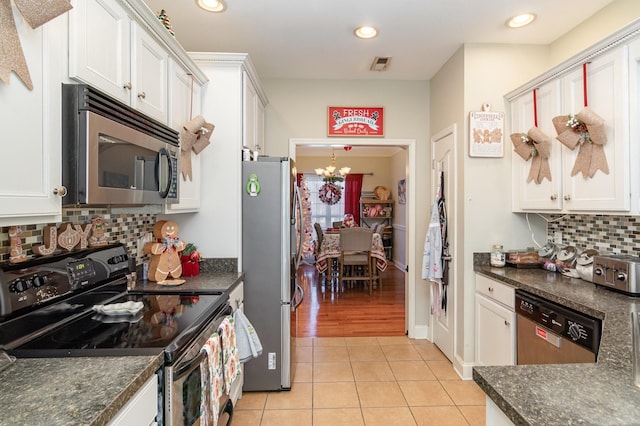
(584, 83)
(535, 108)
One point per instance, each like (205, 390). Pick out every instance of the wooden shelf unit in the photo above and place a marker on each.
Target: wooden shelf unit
(383, 214)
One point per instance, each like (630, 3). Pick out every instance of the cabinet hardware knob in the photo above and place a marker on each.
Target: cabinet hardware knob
(507, 323)
(142, 95)
(491, 289)
(554, 197)
(567, 197)
(127, 85)
(61, 191)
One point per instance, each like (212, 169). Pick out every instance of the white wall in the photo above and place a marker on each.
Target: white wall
(298, 109)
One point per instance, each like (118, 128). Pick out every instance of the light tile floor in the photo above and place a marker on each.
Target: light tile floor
(367, 381)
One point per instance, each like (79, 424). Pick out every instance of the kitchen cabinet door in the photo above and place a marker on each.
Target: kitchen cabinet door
(547, 195)
(253, 110)
(495, 333)
(608, 98)
(31, 128)
(149, 68)
(100, 46)
(185, 99)
(111, 52)
(634, 111)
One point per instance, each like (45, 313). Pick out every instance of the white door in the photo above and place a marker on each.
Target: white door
(443, 156)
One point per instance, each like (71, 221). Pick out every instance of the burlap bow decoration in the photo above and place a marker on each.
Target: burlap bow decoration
(36, 13)
(195, 135)
(586, 129)
(534, 144)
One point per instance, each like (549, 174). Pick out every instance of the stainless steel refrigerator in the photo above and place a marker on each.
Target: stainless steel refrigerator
(271, 253)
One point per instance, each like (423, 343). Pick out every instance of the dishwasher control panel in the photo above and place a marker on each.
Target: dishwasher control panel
(580, 328)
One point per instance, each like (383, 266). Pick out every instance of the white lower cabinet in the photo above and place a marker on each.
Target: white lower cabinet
(142, 409)
(495, 323)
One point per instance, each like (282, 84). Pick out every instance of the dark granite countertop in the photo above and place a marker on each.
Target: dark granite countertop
(71, 391)
(204, 283)
(86, 391)
(602, 393)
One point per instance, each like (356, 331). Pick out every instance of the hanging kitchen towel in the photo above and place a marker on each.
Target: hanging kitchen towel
(432, 256)
(211, 400)
(249, 345)
(230, 358)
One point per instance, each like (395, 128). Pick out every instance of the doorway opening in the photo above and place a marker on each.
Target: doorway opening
(330, 310)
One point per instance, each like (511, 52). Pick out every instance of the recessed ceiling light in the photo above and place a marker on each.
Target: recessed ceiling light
(520, 20)
(365, 31)
(212, 5)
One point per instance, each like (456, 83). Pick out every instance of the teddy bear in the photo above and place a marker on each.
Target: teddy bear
(165, 253)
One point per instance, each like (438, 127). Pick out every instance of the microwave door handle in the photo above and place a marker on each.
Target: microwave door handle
(189, 365)
(169, 172)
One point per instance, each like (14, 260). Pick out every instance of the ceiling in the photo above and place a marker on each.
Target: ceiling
(311, 39)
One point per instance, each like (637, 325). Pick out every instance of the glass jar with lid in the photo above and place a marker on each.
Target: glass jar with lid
(497, 256)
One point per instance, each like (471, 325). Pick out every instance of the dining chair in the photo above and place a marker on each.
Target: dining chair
(355, 262)
(320, 235)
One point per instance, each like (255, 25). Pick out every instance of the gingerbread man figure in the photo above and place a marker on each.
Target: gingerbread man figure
(165, 253)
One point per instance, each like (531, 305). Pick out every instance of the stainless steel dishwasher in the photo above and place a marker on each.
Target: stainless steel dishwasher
(548, 333)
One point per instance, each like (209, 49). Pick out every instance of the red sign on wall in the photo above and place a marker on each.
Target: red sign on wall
(355, 121)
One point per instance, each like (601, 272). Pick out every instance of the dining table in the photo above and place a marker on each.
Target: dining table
(330, 249)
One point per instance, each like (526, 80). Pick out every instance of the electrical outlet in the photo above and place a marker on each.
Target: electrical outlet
(557, 237)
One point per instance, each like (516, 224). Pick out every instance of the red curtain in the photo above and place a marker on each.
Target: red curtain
(352, 189)
(298, 179)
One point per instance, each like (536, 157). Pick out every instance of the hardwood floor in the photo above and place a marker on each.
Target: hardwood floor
(327, 312)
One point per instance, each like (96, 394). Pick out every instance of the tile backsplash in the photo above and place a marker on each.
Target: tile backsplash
(606, 233)
(126, 228)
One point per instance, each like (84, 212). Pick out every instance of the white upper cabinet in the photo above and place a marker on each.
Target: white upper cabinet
(607, 88)
(253, 107)
(110, 51)
(185, 100)
(547, 194)
(149, 75)
(634, 113)
(563, 94)
(31, 128)
(100, 46)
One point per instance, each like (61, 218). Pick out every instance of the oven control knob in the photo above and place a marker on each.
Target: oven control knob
(598, 271)
(621, 276)
(39, 281)
(22, 285)
(574, 331)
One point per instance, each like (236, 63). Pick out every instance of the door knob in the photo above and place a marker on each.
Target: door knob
(61, 191)
(142, 95)
(127, 85)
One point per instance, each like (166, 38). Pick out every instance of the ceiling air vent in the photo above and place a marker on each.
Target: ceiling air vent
(380, 63)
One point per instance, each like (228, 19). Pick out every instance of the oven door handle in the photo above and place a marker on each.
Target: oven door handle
(189, 365)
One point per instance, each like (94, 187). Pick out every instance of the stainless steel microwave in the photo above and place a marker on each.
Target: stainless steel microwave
(113, 154)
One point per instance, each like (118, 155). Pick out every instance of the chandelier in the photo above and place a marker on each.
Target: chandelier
(330, 193)
(329, 173)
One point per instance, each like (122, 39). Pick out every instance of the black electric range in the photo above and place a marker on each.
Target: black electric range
(48, 309)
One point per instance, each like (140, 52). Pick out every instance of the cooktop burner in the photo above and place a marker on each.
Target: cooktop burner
(163, 320)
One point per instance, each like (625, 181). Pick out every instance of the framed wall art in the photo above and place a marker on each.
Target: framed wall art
(355, 121)
(402, 191)
(486, 133)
